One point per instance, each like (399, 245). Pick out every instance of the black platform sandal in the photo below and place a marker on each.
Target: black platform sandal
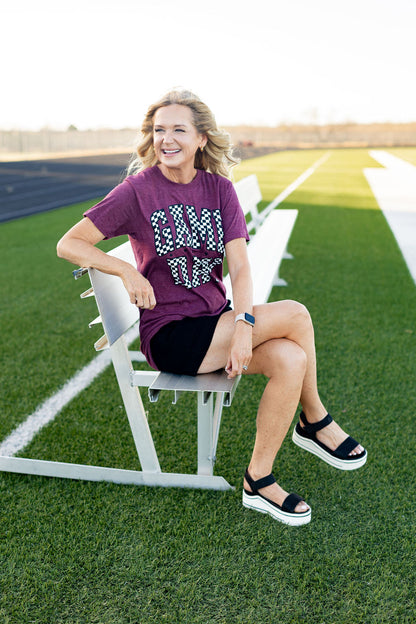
(285, 513)
(305, 437)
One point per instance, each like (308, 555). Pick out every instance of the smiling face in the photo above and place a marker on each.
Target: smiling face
(175, 141)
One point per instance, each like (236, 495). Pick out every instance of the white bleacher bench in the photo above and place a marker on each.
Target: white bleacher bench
(280, 228)
(266, 249)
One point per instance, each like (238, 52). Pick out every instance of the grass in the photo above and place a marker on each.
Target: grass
(407, 153)
(86, 553)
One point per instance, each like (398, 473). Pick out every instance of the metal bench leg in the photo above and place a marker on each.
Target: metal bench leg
(209, 420)
(134, 407)
(205, 424)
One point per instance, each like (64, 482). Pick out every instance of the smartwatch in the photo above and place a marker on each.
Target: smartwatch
(247, 318)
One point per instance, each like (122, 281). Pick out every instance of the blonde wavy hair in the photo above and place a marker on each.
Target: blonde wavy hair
(217, 156)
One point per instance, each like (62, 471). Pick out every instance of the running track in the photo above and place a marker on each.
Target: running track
(33, 186)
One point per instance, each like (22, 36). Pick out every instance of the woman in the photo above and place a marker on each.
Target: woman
(181, 213)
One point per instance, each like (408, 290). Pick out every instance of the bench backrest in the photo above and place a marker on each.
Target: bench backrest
(249, 195)
(268, 244)
(117, 313)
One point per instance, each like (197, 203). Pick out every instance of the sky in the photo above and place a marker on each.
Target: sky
(100, 63)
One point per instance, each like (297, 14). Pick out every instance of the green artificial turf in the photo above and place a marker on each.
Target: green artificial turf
(85, 553)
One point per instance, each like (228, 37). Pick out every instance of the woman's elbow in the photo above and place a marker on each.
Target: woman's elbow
(78, 241)
(60, 248)
(64, 248)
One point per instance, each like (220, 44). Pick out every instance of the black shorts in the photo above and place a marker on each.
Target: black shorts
(180, 346)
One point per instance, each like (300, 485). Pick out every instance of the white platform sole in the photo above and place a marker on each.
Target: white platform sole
(258, 503)
(341, 464)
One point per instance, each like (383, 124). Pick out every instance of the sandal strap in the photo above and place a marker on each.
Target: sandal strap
(260, 483)
(345, 448)
(314, 427)
(291, 501)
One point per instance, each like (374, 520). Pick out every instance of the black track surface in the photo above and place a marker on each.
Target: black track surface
(30, 187)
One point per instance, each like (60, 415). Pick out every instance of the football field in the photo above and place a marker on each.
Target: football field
(98, 553)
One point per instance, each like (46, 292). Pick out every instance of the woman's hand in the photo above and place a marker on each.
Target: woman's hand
(139, 288)
(78, 246)
(240, 350)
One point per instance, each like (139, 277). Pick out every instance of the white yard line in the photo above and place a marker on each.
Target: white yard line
(395, 191)
(303, 176)
(47, 411)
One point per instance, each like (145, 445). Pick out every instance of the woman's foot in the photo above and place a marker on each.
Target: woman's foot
(265, 495)
(328, 441)
(331, 435)
(275, 493)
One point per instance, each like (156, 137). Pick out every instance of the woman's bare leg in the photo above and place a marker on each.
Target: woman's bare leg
(289, 320)
(296, 320)
(284, 363)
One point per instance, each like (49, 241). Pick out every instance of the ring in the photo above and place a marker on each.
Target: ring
(245, 367)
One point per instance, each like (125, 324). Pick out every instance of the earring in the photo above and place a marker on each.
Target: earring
(202, 148)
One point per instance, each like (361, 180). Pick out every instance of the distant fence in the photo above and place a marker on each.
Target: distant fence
(51, 141)
(279, 137)
(336, 135)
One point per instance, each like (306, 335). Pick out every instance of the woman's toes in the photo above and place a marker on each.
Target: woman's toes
(302, 506)
(358, 450)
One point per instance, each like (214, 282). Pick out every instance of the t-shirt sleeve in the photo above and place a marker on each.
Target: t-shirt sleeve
(234, 221)
(113, 215)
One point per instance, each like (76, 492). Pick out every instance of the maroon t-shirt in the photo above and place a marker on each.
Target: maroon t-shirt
(178, 233)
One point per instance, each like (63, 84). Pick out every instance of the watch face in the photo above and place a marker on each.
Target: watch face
(249, 318)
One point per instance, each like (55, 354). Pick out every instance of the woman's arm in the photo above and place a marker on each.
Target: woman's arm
(78, 246)
(240, 274)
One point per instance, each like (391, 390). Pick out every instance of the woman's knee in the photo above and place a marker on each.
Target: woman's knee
(299, 311)
(294, 359)
(299, 315)
(286, 359)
